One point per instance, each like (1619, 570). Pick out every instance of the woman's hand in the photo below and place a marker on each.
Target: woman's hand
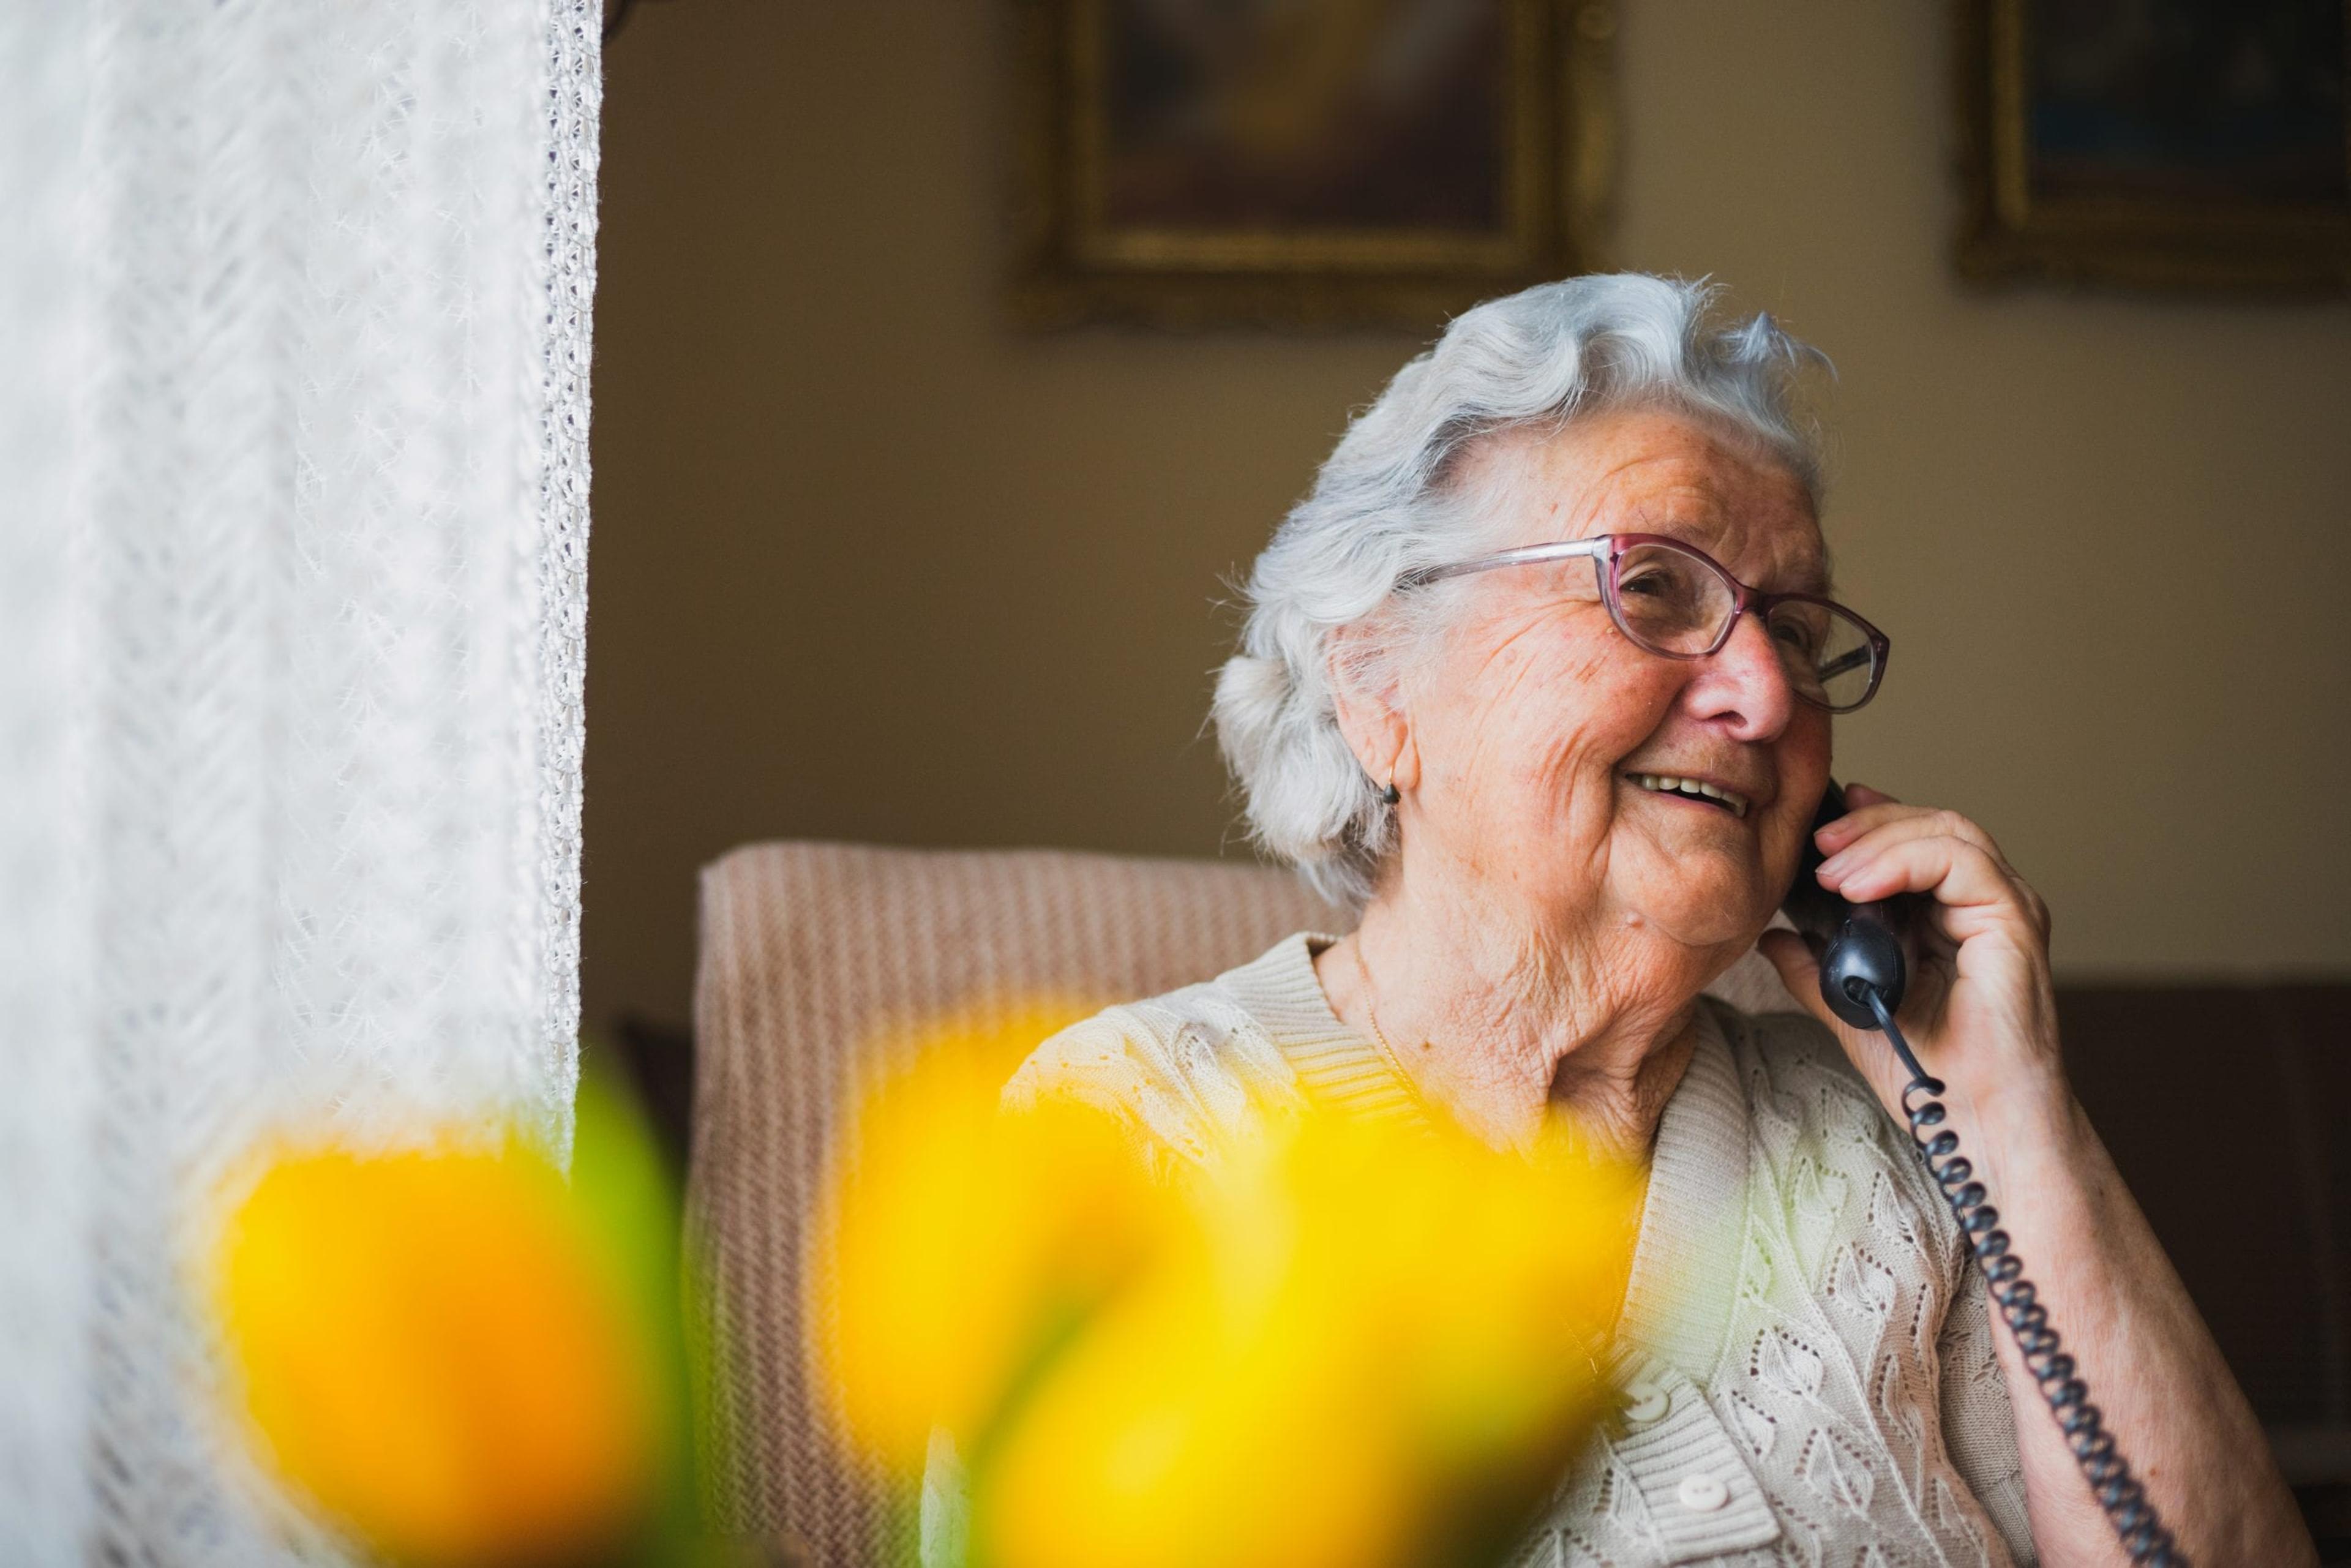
(1981, 1010)
(1982, 1016)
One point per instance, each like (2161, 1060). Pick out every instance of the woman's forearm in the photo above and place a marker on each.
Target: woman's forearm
(2153, 1370)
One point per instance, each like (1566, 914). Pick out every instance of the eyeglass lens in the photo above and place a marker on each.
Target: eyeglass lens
(1671, 601)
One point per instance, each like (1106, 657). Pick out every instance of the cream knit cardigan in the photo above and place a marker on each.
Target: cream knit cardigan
(1806, 1358)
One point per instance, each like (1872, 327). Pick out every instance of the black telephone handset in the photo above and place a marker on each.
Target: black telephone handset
(1863, 951)
(1857, 945)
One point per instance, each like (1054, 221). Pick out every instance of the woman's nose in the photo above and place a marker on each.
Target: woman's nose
(1745, 683)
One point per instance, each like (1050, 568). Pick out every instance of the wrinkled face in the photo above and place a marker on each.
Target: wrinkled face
(1528, 734)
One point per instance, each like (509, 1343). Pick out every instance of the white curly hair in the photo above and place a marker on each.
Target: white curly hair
(1387, 502)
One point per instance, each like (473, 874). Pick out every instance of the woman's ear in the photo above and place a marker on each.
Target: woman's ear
(1369, 704)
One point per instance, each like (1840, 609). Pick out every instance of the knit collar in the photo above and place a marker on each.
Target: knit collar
(1336, 1066)
(1686, 1263)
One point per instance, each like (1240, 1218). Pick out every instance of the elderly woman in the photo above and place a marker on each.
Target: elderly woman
(1540, 677)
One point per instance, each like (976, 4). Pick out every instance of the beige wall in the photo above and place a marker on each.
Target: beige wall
(868, 565)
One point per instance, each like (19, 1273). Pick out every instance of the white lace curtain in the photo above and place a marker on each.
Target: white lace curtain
(294, 333)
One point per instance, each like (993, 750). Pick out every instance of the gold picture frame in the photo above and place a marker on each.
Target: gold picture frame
(2046, 198)
(1088, 248)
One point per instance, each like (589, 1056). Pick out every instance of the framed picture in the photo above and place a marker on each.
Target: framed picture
(1196, 162)
(2183, 143)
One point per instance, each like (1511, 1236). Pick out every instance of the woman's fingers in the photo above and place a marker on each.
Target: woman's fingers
(1797, 969)
(1799, 972)
(1959, 874)
(1887, 825)
(1867, 809)
(1882, 828)
(1956, 871)
(1859, 820)
(1843, 831)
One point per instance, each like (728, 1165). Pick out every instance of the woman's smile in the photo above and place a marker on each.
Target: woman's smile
(1708, 794)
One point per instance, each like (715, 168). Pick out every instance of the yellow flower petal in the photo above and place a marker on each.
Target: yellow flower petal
(428, 1349)
(1346, 1344)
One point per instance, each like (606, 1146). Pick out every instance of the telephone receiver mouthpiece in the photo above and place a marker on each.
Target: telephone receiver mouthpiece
(1858, 946)
(1865, 955)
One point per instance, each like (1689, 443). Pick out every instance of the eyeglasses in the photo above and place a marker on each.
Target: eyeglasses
(1676, 600)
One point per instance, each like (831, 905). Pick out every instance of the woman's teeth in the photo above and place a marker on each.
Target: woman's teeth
(1667, 784)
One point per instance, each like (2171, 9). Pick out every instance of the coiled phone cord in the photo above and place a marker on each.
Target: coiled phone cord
(2136, 1525)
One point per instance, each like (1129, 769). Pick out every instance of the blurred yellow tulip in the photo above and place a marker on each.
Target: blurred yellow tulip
(1348, 1344)
(954, 1246)
(1380, 1348)
(433, 1349)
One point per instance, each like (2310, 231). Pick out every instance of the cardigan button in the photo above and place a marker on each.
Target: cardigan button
(1645, 1402)
(1702, 1493)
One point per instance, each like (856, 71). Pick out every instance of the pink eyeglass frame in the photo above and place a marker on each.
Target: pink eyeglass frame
(1606, 549)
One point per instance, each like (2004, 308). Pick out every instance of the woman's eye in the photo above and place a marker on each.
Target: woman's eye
(1651, 584)
(1795, 636)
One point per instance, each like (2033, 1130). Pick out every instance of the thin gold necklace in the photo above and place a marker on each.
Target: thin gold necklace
(1371, 1012)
